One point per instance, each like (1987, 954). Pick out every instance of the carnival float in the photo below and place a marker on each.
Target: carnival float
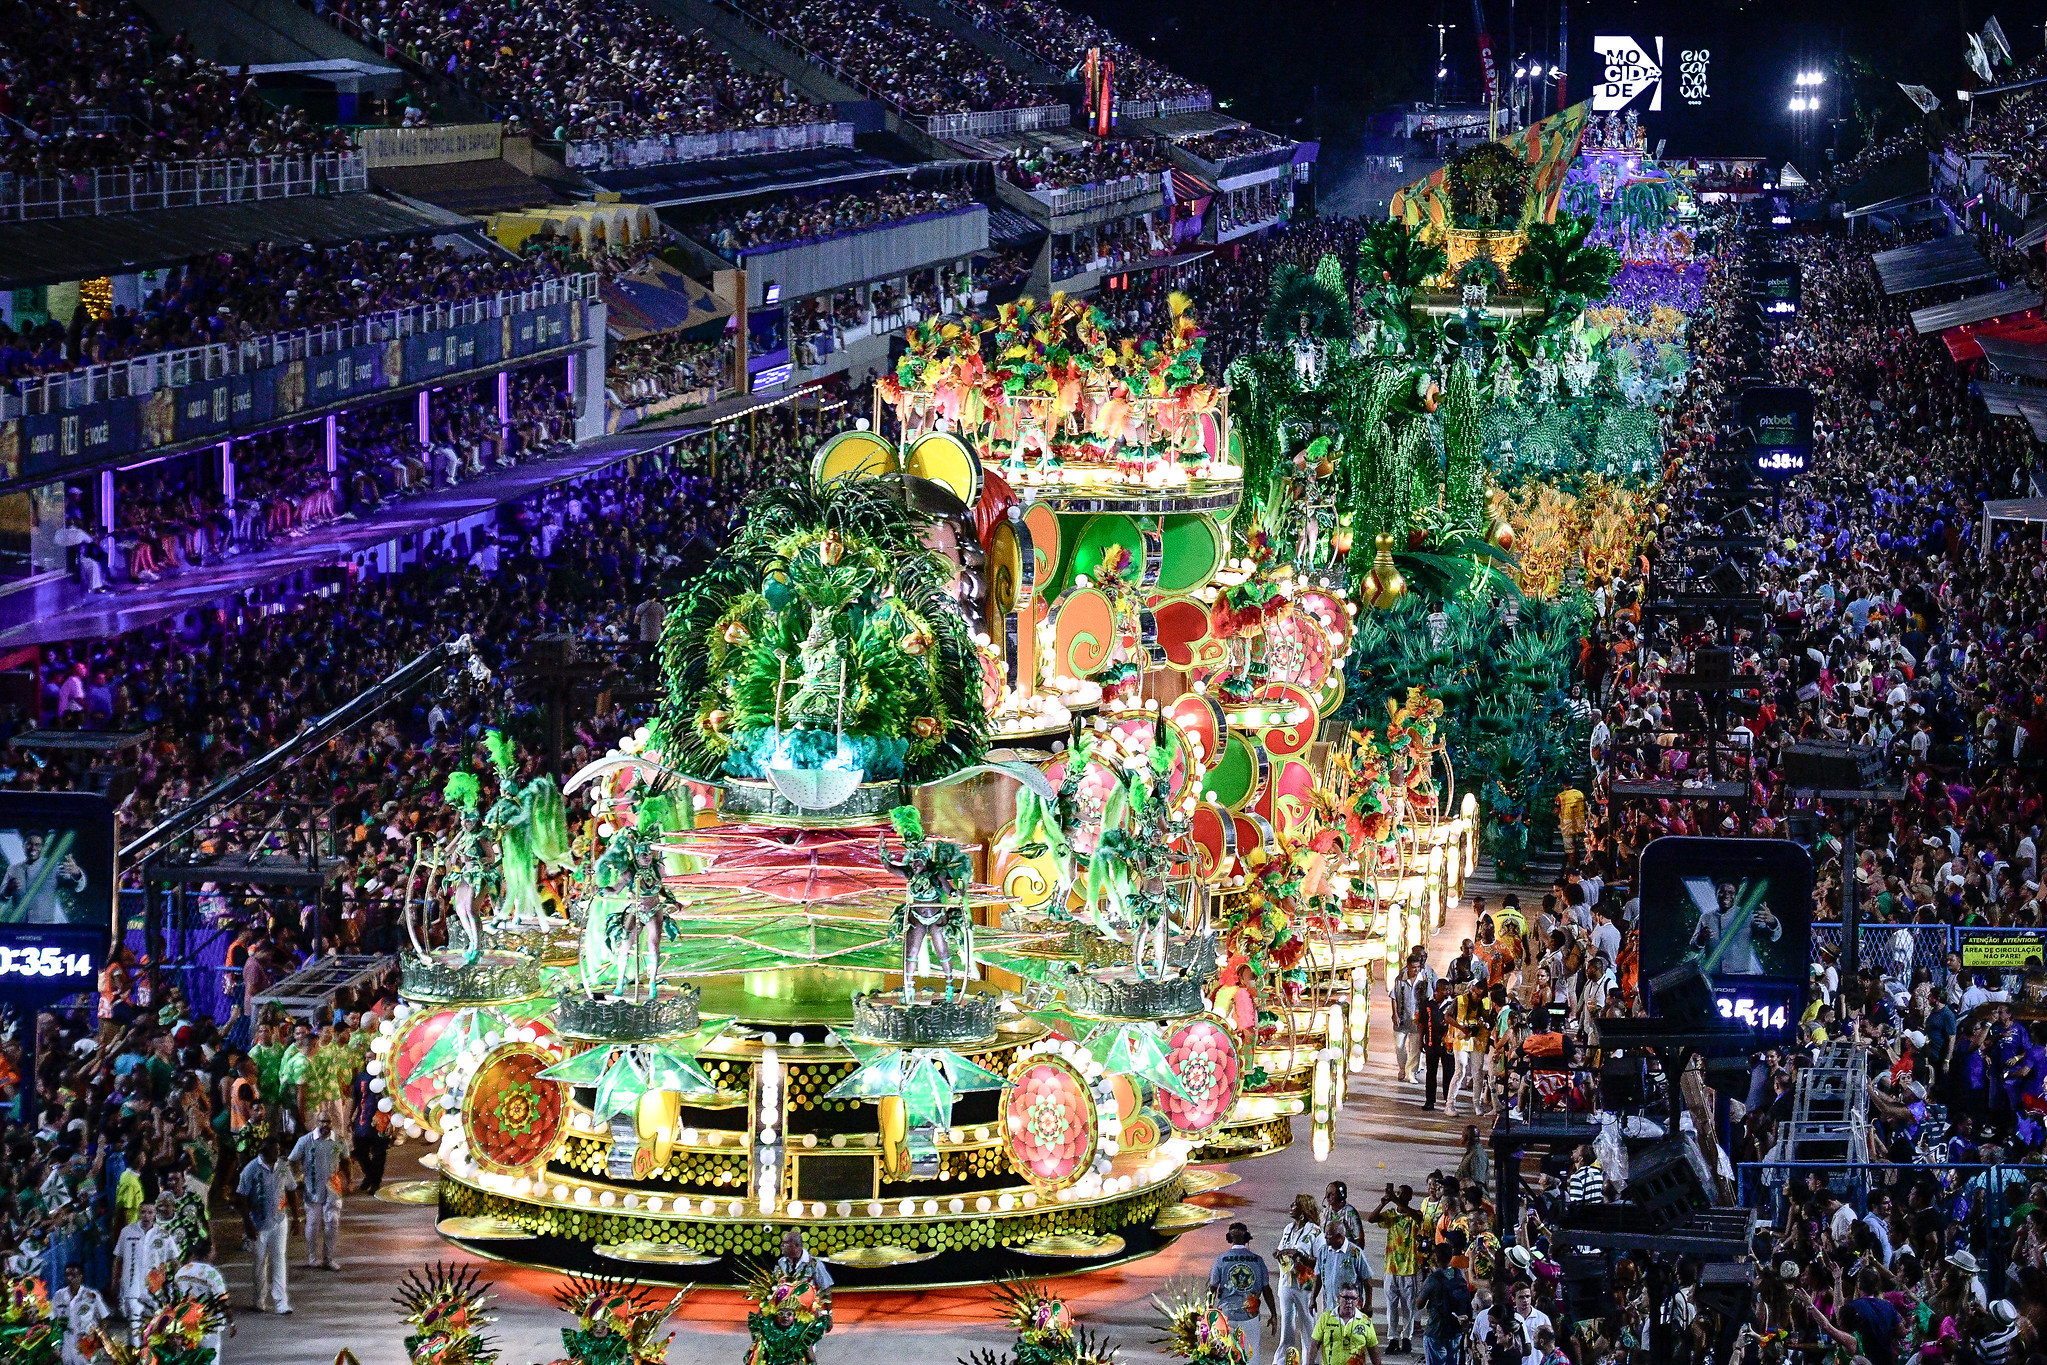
(1041, 786)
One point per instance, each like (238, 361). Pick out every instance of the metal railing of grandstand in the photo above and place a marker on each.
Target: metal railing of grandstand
(665, 150)
(178, 185)
(1760, 1185)
(1080, 198)
(195, 364)
(993, 122)
(1184, 104)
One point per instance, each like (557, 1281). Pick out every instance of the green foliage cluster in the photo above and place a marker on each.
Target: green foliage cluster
(1505, 722)
(849, 558)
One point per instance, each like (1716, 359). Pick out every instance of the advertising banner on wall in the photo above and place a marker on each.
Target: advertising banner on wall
(76, 438)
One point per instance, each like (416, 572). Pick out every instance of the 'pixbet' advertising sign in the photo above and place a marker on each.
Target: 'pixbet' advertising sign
(1630, 71)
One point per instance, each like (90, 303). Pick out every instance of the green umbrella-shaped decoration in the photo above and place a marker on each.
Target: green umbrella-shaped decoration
(622, 1072)
(585, 1068)
(926, 1080)
(1064, 1022)
(1133, 1049)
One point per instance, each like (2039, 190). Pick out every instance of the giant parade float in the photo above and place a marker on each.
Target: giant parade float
(986, 867)
(1041, 787)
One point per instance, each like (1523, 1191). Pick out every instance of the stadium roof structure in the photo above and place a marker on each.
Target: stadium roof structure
(1925, 265)
(1997, 303)
(56, 250)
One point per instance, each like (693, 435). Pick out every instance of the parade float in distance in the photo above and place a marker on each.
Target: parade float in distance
(1042, 785)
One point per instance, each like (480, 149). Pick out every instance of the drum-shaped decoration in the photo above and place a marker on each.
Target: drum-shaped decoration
(1012, 568)
(512, 1116)
(1194, 545)
(1203, 1057)
(1047, 536)
(948, 461)
(1083, 633)
(1238, 776)
(1289, 800)
(1027, 879)
(1201, 717)
(855, 454)
(1185, 634)
(423, 1049)
(1215, 841)
(1294, 731)
(1049, 1121)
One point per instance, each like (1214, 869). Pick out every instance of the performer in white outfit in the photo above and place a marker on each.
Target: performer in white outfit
(1299, 1243)
(79, 1311)
(142, 1246)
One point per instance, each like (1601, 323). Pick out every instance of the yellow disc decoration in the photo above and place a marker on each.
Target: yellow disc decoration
(413, 1192)
(644, 1252)
(1073, 1246)
(855, 454)
(867, 1258)
(945, 459)
(482, 1229)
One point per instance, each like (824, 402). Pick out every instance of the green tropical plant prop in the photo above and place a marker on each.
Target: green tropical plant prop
(1563, 269)
(825, 636)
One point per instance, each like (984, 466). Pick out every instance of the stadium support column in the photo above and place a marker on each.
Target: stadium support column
(504, 408)
(426, 410)
(227, 475)
(586, 375)
(334, 455)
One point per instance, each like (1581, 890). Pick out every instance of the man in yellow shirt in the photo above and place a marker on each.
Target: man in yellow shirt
(1571, 823)
(1344, 1336)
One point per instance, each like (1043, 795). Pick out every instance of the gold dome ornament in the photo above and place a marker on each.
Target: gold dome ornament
(737, 634)
(1384, 585)
(831, 549)
(916, 643)
(716, 721)
(926, 727)
(1502, 534)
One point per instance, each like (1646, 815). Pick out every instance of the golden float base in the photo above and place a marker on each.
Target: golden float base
(749, 1234)
(413, 1192)
(1242, 1141)
(1073, 1246)
(887, 1254)
(653, 1253)
(1201, 1180)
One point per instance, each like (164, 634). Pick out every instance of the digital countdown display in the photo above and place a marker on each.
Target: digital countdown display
(57, 891)
(1741, 909)
(1780, 422)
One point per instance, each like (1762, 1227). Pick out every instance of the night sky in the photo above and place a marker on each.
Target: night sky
(1289, 64)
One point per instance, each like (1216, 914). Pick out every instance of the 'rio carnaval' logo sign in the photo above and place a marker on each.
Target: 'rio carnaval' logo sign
(1630, 70)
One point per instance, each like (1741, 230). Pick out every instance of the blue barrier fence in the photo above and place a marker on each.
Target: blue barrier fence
(1898, 950)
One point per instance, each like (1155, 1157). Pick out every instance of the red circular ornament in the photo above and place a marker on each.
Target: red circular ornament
(1203, 1056)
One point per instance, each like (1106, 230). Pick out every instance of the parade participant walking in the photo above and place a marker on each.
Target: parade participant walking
(1343, 1334)
(1240, 1283)
(1396, 1213)
(1410, 993)
(317, 1156)
(79, 1311)
(200, 1278)
(1341, 1262)
(268, 1224)
(1299, 1243)
(142, 1246)
(1433, 1033)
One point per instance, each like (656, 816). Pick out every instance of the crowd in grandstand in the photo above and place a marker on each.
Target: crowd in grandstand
(899, 54)
(1090, 163)
(1225, 143)
(85, 87)
(579, 70)
(664, 365)
(1062, 38)
(784, 220)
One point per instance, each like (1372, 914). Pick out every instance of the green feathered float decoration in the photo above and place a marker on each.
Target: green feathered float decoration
(825, 636)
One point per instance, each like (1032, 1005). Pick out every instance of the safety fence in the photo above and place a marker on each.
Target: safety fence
(1898, 950)
(178, 185)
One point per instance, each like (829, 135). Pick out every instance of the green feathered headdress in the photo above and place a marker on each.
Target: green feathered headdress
(464, 791)
(504, 755)
(909, 824)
